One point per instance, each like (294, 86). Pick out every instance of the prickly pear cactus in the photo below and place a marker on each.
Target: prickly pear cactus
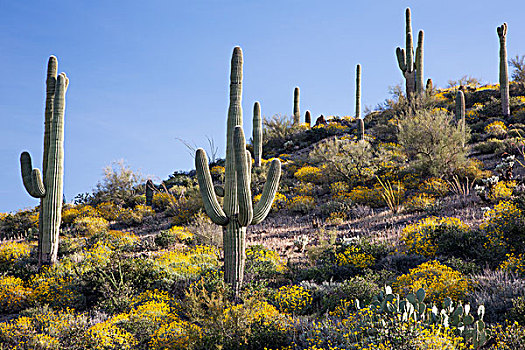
(238, 210)
(48, 185)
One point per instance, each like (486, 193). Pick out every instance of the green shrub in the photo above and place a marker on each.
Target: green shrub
(433, 144)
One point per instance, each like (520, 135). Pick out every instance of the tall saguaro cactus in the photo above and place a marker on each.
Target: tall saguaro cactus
(360, 121)
(412, 71)
(238, 211)
(296, 111)
(460, 112)
(149, 192)
(503, 69)
(49, 187)
(257, 134)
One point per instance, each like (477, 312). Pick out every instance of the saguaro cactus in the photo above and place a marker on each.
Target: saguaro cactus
(503, 69)
(360, 121)
(257, 134)
(308, 118)
(296, 111)
(429, 87)
(49, 188)
(238, 211)
(149, 192)
(460, 112)
(412, 71)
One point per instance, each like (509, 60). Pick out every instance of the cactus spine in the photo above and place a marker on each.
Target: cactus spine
(238, 211)
(49, 188)
(296, 111)
(360, 121)
(149, 193)
(460, 112)
(503, 69)
(413, 72)
(308, 118)
(257, 134)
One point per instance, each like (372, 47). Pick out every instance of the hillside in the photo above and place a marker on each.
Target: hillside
(403, 229)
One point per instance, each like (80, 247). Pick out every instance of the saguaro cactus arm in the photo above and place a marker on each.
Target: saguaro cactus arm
(257, 134)
(211, 204)
(262, 208)
(244, 196)
(401, 59)
(31, 178)
(420, 82)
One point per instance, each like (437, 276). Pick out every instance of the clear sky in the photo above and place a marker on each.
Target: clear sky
(144, 73)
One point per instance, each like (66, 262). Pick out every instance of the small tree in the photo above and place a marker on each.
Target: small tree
(118, 185)
(433, 144)
(518, 63)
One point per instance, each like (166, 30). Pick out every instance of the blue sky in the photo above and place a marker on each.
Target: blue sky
(143, 74)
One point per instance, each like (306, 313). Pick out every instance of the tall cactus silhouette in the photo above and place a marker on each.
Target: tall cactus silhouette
(412, 71)
(149, 192)
(460, 112)
(360, 121)
(238, 211)
(430, 87)
(503, 69)
(308, 118)
(49, 187)
(257, 134)
(296, 111)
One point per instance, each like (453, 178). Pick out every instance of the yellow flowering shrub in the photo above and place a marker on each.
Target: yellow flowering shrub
(309, 174)
(177, 334)
(496, 129)
(509, 336)
(293, 299)
(419, 201)
(181, 233)
(260, 259)
(504, 226)
(107, 336)
(117, 240)
(48, 329)
(438, 338)
(217, 171)
(502, 190)
(301, 204)
(339, 191)
(108, 211)
(69, 214)
(367, 196)
(439, 281)
(434, 187)
(353, 256)
(14, 296)
(513, 263)
(187, 264)
(422, 237)
(55, 289)
(89, 226)
(471, 116)
(11, 252)
(162, 200)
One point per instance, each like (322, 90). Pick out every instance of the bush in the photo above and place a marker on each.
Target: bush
(432, 236)
(434, 146)
(434, 187)
(293, 299)
(14, 296)
(309, 174)
(301, 204)
(439, 281)
(510, 336)
(118, 185)
(163, 201)
(496, 129)
(108, 211)
(263, 261)
(89, 226)
(505, 227)
(12, 254)
(419, 202)
(173, 235)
